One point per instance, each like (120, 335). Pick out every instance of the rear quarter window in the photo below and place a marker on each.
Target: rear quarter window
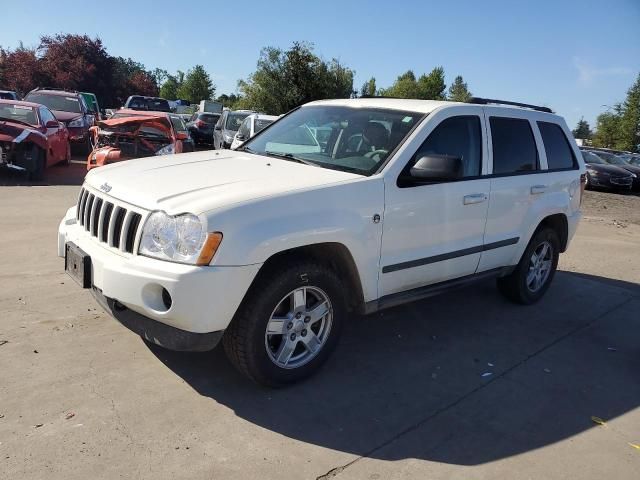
(556, 145)
(514, 146)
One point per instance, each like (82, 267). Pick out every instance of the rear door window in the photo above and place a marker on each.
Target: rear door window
(514, 146)
(559, 153)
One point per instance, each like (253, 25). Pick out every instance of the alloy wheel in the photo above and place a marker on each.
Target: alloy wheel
(299, 327)
(539, 266)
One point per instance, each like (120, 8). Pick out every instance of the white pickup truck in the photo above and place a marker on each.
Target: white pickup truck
(340, 206)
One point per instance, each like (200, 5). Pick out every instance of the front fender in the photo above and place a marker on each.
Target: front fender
(343, 213)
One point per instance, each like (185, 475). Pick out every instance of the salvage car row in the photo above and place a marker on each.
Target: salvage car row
(611, 170)
(43, 129)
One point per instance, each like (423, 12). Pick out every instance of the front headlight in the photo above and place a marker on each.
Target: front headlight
(168, 150)
(633, 175)
(181, 238)
(76, 122)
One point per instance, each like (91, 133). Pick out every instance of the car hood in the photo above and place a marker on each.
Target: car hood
(611, 169)
(630, 168)
(19, 133)
(202, 181)
(65, 116)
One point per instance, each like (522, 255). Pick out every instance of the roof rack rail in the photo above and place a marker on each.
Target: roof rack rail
(487, 101)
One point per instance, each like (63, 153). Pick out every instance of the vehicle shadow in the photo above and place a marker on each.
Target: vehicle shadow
(72, 174)
(411, 382)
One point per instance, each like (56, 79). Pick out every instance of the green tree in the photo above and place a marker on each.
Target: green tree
(583, 130)
(458, 91)
(229, 101)
(368, 88)
(432, 86)
(428, 87)
(197, 85)
(286, 79)
(169, 88)
(629, 135)
(607, 130)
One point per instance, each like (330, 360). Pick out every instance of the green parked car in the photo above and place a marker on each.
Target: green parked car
(92, 103)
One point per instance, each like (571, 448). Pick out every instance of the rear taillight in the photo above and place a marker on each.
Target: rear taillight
(583, 185)
(200, 124)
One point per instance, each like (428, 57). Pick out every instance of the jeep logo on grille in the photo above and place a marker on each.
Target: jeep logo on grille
(105, 187)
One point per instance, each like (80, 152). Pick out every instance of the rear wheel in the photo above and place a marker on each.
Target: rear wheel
(288, 325)
(533, 275)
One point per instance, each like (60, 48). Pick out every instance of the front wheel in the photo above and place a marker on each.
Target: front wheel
(288, 324)
(533, 275)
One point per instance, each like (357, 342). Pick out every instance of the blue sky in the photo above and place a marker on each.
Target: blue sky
(573, 56)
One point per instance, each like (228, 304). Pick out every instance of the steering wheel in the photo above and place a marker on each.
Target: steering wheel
(379, 152)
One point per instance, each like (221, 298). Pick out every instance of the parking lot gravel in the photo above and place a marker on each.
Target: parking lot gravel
(465, 385)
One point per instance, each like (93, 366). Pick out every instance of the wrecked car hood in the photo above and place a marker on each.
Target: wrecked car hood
(20, 133)
(138, 119)
(202, 181)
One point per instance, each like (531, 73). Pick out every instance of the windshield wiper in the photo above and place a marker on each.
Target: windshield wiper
(291, 158)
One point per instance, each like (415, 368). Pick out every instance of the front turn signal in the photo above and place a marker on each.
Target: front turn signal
(209, 248)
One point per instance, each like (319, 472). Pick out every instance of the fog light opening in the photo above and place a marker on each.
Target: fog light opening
(166, 298)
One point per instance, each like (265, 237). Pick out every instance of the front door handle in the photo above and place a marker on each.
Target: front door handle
(538, 189)
(475, 198)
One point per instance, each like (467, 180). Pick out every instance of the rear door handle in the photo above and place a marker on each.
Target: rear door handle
(538, 189)
(475, 198)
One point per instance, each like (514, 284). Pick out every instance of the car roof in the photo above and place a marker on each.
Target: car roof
(262, 116)
(420, 106)
(60, 93)
(20, 102)
(147, 98)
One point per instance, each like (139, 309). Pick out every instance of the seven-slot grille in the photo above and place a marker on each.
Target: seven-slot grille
(109, 223)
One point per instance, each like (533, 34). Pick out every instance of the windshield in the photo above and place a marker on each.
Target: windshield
(612, 159)
(260, 124)
(56, 102)
(209, 118)
(20, 113)
(234, 120)
(344, 138)
(592, 158)
(178, 124)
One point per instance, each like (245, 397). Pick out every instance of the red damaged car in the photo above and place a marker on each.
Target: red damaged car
(31, 138)
(132, 134)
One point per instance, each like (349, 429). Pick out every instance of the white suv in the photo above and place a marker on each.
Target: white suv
(340, 206)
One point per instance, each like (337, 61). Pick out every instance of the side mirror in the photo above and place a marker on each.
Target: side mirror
(182, 136)
(434, 167)
(240, 137)
(52, 124)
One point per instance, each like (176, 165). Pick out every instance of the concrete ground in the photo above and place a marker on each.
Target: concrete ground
(404, 396)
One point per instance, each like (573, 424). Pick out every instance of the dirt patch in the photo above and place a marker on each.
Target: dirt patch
(618, 209)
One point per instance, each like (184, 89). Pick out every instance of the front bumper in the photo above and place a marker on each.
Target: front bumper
(203, 299)
(611, 183)
(156, 332)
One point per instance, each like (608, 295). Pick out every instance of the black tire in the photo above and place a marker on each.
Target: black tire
(244, 339)
(39, 164)
(514, 286)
